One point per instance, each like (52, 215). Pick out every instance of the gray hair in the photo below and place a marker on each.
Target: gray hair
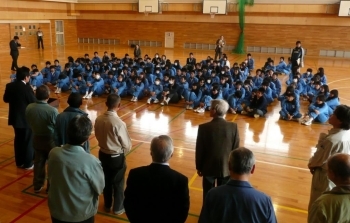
(220, 106)
(241, 161)
(161, 148)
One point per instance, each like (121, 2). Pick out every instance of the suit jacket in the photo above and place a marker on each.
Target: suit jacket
(18, 95)
(14, 47)
(156, 194)
(215, 141)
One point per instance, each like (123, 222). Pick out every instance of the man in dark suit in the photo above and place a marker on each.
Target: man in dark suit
(19, 94)
(215, 141)
(14, 44)
(156, 193)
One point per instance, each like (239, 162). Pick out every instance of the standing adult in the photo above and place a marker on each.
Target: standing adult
(238, 201)
(75, 100)
(114, 142)
(219, 48)
(156, 193)
(14, 45)
(41, 118)
(19, 95)
(215, 140)
(137, 51)
(76, 177)
(40, 36)
(333, 206)
(336, 141)
(297, 56)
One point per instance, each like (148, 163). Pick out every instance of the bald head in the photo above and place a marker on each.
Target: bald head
(339, 168)
(161, 149)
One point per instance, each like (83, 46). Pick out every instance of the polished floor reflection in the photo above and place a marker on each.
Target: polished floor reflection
(282, 148)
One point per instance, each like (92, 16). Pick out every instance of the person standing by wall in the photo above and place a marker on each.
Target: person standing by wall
(215, 140)
(114, 142)
(297, 56)
(40, 36)
(14, 45)
(219, 47)
(19, 95)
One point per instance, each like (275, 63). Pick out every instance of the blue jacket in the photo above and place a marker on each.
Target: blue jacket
(292, 108)
(323, 110)
(52, 77)
(281, 66)
(250, 64)
(333, 103)
(238, 202)
(62, 121)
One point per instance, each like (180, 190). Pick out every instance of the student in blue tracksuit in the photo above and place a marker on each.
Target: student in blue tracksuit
(63, 83)
(146, 83)
(46, 70)
(324, 89)
(270, 66)
(258, 105)
(290, 108)
(96, 58)
(288, 69)
(318, 111)
(193, 97)
(307, 76)
(224, 87)
(136, 89)
(235, 101)
(58, 66)
(281, 66)
(313, 91)
(258, 78)
(159, 74)
(156, 91)
(250, 62)
(278, 86)
(332, 101)
(36, 79)
(68, 71)
(214, 78)
(322, 75)
(119, 87)
(79, 85)
(95, 86)
(206, 99)
(248, 91)
(110, 81)
(192, 79)
(183, 87)
(52, 76)
(267, 92)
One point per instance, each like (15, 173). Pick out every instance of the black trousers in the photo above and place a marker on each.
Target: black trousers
(40, 41)
(295, 64)
(14, 61)
(90, 220)
(114, 168)
(218, 52)
(23, 145)
(209, 183)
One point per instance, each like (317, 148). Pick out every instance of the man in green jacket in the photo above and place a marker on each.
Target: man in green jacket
(333, 205)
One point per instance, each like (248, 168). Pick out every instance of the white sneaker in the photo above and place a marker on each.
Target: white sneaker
(133, 98)
(244, 113)
(58, 91)
(189, 107)
(167, 100)
(156, 101)
(162, 103)
(201, 110)
(308, 122)
(149, 101)
(256, 116)
(87, 93)
(34, 88)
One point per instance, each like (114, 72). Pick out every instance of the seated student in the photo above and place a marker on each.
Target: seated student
(96, 58)
(146, 84)
(63, 83)
(156, 90)
(13, 76)
(193, 97)
(290, 108)
(281, 66)
(165, 81)
(270, 66)
(183, 87)
(119, 87)
(248, 87)
(248, 100)
(225, 61)
(77, 65)
(244, 70)
(324, 89)
(322, 75)
(52, 77)
(68, 71)
(289, 90)
(206, 100)
(95, 86)
(224, 87)
(192, 79)
(318, 111)
(36, 79)
(307, 76)
(46, 70)
(258, 78)
(110, 81)
(267, 92)
(79, 85)
(288, 69)
(170, 94)
(235, 101)
(136, 89)
(105, 57)
(314, 90)
(58, 66)
(190, 61)
(177, 64)
(250, 62)
(278, 87)
(332, 101)
(258, 106)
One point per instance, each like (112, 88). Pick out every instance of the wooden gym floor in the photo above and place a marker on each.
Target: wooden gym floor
(282, 148)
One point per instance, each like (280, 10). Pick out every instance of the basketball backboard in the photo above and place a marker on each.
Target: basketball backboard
(217, 7)
(149, 6)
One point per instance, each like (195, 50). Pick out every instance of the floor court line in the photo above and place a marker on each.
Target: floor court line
(6, 165)
(193, 178)
(344, 79)
(29, 210)
(14, 181)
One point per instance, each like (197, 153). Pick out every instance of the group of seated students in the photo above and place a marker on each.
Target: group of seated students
(196, 83)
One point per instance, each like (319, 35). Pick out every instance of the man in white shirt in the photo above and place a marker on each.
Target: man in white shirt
(40, 36)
